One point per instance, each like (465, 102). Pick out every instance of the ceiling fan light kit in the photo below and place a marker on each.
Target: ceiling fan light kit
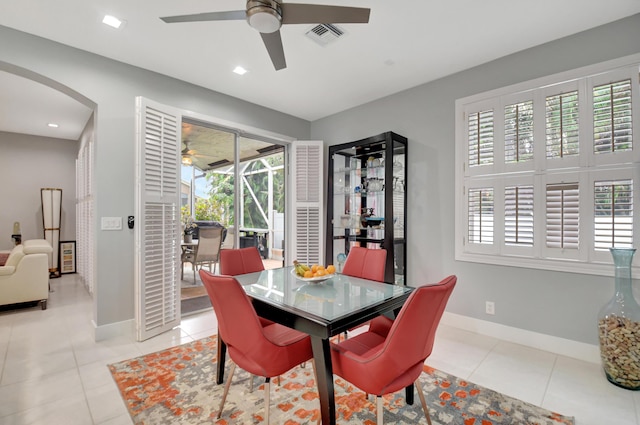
(267, 16)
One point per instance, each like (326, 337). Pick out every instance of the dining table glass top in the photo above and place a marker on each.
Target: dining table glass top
(338, 296)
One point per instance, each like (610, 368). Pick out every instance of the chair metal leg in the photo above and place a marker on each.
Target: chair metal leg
(315, 376)
(267, 400)
(423, 401)
(226, 388)
(379, 404)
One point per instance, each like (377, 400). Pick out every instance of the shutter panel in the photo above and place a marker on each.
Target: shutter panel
(562, 215)
(518, 215)
(613, 215)
(612, 117)
(307, 237)
(85, 207)
(562, 125)
(518, 132)
(158, 218)
(480, 209)
(480, 138)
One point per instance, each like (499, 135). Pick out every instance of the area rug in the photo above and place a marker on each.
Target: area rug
(177, 386)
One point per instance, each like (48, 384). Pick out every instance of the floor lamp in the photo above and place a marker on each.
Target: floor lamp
(51, 212)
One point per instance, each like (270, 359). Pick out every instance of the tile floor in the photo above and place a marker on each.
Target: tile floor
(52, 372)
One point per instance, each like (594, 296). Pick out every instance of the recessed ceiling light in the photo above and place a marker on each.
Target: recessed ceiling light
(112, 21)
(240, 70)
(53, 125)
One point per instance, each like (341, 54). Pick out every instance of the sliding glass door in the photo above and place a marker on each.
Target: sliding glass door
(238, 181)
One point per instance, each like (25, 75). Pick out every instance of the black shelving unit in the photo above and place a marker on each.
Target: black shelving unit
(367, 202)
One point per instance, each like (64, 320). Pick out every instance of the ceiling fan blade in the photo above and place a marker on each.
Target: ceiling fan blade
(234, 15)
(294, 13)
(273, 43)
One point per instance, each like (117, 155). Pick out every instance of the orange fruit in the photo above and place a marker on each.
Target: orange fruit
(308, 273)
(314, 268)
(321, 267)
(331, 269)
(321, 273)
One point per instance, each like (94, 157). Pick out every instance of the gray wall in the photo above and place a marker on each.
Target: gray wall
(28, 163)
(561, 304)
(113, 86)
(553, 303)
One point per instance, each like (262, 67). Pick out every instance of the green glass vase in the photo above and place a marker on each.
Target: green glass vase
(619, 327)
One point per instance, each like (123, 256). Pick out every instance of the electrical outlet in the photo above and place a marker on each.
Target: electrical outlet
(490, 307)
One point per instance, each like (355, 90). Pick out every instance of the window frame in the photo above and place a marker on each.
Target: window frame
(584, 168)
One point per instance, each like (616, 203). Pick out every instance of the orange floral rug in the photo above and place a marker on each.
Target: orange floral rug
(177, 386)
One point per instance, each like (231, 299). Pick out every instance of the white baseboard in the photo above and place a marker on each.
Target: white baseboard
(553, 344)
(112, 330)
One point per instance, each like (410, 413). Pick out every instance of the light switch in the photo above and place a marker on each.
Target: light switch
(111, 223)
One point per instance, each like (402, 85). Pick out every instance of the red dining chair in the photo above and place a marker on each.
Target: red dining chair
(383, 359)
(365, 263)
(240, 261)
(264, 350)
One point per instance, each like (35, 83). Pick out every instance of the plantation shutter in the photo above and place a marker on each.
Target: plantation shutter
(518, 132)
(612, 117)
(562, 125)
(562, 214)
(480, 213)
(157, 219)
(307, 235)
(613, 215)
(480, 138)
(518, 215)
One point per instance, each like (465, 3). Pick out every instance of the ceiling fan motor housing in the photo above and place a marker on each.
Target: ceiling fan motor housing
(264, 15)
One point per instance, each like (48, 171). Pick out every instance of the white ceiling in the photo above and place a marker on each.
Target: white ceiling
(405, 44)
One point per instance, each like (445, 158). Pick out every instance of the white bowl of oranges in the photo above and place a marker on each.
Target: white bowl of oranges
(316, 273)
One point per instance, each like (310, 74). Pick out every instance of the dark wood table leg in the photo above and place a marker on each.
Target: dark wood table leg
(322, 357)
(222, 352)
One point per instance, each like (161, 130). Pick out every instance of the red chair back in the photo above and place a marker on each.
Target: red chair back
(381, 365)
(413, 332)
(246, 338)
(365, 263)
(240, 261)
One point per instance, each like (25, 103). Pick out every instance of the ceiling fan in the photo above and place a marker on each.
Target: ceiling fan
(188, 154)
(267, 16)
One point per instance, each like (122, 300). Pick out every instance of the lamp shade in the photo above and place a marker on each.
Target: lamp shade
(51, 212)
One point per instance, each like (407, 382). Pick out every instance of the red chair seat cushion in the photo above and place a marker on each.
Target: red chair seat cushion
(381, 325)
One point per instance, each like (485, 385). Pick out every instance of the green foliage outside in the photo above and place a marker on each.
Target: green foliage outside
(219, 206)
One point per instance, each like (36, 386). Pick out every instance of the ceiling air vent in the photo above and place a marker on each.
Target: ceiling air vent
(324, 34)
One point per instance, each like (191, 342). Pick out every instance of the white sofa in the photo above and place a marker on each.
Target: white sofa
(25, 275)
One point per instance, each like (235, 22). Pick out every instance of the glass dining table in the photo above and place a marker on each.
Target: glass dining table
(320, 309)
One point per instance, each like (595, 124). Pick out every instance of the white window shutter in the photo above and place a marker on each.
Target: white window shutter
(157, 219)
(518, 132)
(480, 209)
(612, 117)
(518, 215)
(562, 215)
(480, 138)
(562, 115)
(613, 214)
(306, 238)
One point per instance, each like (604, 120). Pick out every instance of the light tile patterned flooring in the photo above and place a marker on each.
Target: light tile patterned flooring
(52, 372)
